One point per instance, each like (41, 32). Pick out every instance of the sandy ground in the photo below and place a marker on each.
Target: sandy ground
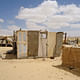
(35, 69)
(3, 50)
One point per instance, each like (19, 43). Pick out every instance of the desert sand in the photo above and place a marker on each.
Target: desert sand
(35, 69)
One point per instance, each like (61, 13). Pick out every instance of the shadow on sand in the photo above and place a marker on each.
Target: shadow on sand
(68, 69)
(9, 55)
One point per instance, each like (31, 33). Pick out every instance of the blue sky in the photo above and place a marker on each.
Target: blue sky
(9, 9)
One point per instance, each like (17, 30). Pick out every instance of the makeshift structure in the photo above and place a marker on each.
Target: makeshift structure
(38, 43)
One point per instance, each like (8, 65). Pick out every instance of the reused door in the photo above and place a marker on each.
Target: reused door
(42, 45)
(22, 44)
(33, 40)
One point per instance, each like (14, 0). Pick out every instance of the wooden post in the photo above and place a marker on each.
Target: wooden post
(65, 38)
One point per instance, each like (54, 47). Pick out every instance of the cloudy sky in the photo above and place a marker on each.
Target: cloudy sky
(53, 15)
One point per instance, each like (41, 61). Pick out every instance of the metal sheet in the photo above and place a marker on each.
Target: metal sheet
(20, 50)
(22, 44)
(24, 36)
(24, 50)
(19, 36)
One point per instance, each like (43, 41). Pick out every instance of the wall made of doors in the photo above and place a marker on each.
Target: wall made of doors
(38, 44)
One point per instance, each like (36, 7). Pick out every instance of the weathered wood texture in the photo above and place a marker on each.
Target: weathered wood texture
(33, 42)
(59, 43)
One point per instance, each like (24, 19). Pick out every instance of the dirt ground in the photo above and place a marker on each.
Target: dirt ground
(35, 69)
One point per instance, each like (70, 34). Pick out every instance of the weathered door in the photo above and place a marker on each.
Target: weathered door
(42, 45)
(59, 42)
(22, 44)
(33, 40)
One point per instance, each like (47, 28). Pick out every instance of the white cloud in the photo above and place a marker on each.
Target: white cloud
(70, 9)
(1, 20)
(75, 26)
(9, 30)
(34, 26)
(73, 33)
(39, 14)
(13, 27)
(50, 15)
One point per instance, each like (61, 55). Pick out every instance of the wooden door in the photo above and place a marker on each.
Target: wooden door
(33, 40)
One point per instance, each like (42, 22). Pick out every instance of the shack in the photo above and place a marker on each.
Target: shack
(38, 43)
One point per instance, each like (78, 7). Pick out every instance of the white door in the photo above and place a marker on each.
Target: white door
(42, 51)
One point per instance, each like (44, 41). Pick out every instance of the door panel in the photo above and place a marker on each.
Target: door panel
(21, 44)
(42, 45)
(33, 40)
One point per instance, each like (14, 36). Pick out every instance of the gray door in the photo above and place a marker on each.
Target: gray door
(59, 42)
(21, 44)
